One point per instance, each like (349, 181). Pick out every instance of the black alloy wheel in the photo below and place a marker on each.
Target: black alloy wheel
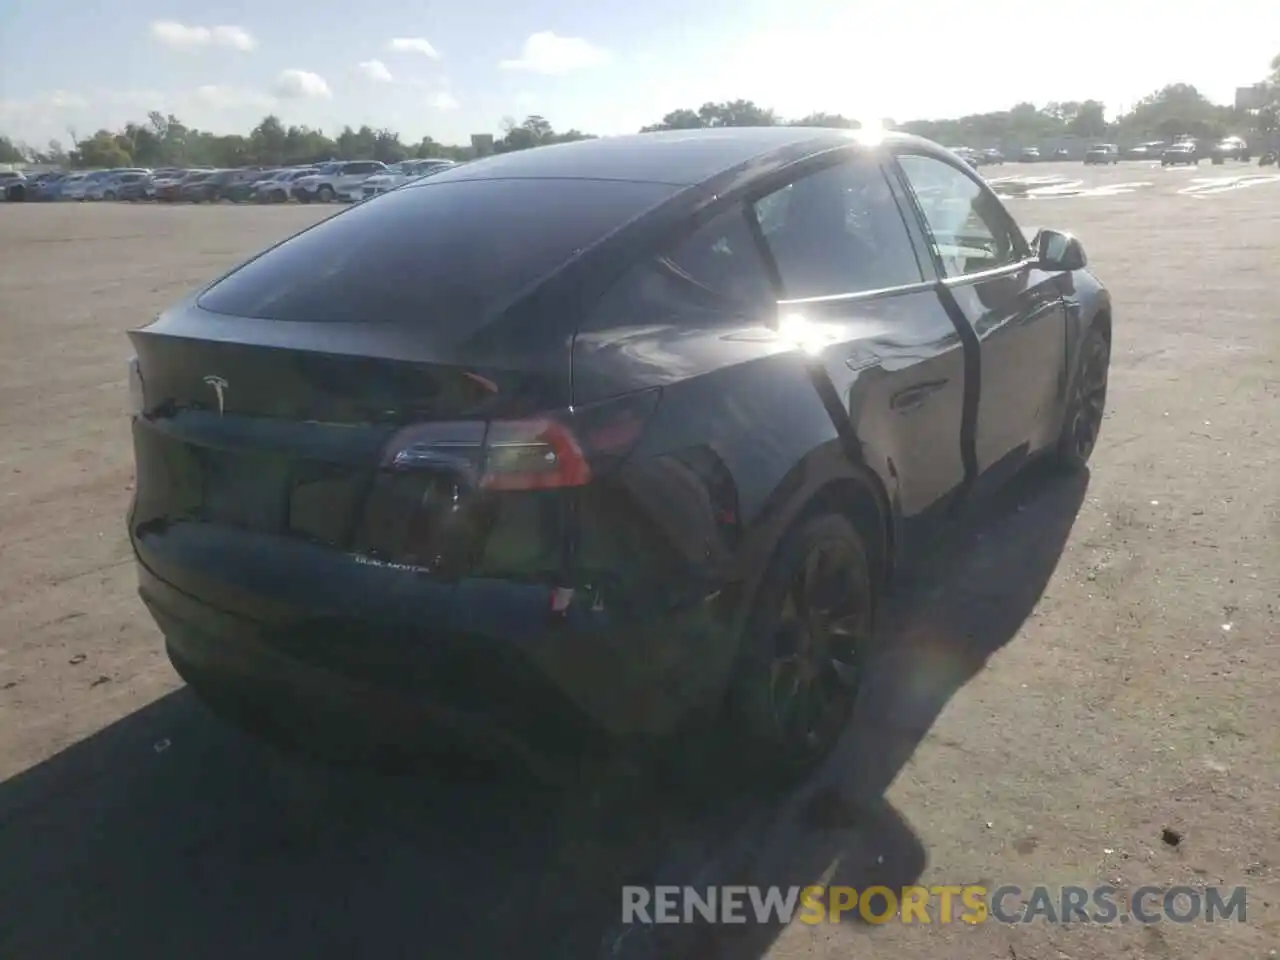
(1088, 401)
(806, 645)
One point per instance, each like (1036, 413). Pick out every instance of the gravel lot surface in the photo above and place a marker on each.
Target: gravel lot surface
(1087, 664)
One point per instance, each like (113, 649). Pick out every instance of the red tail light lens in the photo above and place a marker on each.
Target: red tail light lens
(563, 449)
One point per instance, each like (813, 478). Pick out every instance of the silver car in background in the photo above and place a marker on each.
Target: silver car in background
(275, 188)
(401, 173)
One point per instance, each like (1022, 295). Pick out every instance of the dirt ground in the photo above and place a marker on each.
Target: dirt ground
(1086, 664)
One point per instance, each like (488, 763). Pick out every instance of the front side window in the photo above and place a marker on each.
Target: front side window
(838, 231)
(969, 229)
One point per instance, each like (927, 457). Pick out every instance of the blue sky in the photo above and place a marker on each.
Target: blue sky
(450, 69)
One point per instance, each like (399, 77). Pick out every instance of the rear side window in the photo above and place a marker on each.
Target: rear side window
(435, 253)
(712, 274)
(838, 231)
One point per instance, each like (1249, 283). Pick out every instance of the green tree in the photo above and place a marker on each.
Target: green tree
(826, 120)
(103, 149)
(1089, 120)
(1174, 109)
(268, 140)
(9, 152)
(683, 119)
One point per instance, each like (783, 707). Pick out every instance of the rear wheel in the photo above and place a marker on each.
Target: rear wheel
(1088, 404)
(806, 643)
(325, 194)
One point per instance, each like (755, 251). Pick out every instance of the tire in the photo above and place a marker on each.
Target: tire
(1082, 422)
(304, 198)
(821, 565)
(325, 194)
(109, 195)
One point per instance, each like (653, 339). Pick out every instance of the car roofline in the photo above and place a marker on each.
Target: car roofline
(574, 287)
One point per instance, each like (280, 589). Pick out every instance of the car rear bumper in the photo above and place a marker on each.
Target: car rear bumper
(245, 672)
(361, 653)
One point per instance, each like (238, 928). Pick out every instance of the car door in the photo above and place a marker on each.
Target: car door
(357, 173)
(853, 283)
(1014, 308)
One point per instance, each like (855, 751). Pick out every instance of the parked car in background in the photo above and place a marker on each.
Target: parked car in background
(1062, 153)
(129, 186)
(1101, 154)
(1150, 150)
(167, 184)
(73, 187)
(200, 187)
(1267, 159)
(13, 185)
(242, 189)
(1029, 155)
(992, 156)
(1180, 154)
(275, 187)
(340, 179)
(171, 190)
(967, 154)
(111, 187)
(101, 182)
(401, 173)
(47, 187)
(1230, 148)
(553, 450)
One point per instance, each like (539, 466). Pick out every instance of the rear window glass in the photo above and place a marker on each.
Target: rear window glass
(432, 253)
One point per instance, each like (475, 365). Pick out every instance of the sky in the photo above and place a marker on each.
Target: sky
(450, 69)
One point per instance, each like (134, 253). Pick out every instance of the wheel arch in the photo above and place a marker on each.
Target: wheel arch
(1102, 322)
(826, 480)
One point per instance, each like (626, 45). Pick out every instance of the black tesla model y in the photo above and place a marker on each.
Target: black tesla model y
(597, 445)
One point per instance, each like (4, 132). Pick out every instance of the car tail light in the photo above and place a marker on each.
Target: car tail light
(567, 448)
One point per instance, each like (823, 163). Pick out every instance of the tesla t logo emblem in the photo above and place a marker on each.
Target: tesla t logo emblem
(219, 387)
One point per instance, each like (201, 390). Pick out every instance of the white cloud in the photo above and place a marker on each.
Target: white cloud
(180, 36)
(301, 85)
(413, 45)
(57, 101)
(524, 99)
(219, 97)
(374, 70)
(547, 53)
(444, 100)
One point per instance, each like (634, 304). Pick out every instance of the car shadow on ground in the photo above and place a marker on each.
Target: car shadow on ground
(168, 834)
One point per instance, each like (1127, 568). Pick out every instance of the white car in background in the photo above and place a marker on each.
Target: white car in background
(401, 173)
(340, 179)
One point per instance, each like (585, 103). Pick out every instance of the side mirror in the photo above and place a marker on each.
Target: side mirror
(1059, 251)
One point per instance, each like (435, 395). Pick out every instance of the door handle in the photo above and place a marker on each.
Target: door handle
(914, 395)
(861, 359)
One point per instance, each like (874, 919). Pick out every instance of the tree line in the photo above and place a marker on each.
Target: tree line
(163, 140)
